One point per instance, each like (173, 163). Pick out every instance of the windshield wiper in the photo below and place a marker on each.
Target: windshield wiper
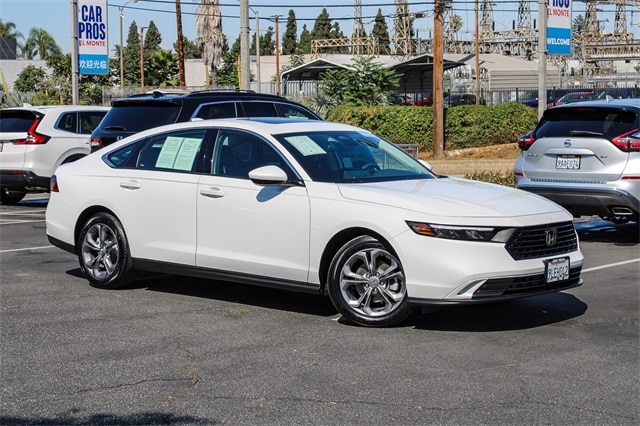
(585, 133)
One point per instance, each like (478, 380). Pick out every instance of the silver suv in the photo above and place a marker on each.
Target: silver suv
(586, 157)
(34, 141)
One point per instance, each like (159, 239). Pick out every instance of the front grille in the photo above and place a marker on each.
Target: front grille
(531, 242)
(521, 286)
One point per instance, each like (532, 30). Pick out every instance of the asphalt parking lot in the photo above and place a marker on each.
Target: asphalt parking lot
(176, 350)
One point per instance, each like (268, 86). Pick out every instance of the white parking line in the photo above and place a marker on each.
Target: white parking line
(19, 221)
(23, 213)
(611, 265)
(27, 248)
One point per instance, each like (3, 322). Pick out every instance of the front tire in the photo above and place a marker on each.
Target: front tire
(10, 197)
(103, 252)
(367, 285)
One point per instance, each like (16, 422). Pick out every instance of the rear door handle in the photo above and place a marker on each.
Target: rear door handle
(212, 192)
(132, 184)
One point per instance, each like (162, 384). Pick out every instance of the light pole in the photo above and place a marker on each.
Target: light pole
(142, 59)
(276, 17)
(257, 49)
(121, 9)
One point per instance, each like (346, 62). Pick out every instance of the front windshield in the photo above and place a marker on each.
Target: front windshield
(351, 156)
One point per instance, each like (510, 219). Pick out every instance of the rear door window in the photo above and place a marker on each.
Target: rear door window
(294, 111)
(175, 151)
(259, 109)
(217, 110)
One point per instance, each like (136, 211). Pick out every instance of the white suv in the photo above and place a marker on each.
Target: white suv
(585, 156)
(34, 141)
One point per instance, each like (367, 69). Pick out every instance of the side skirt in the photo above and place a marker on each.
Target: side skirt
(214, 274)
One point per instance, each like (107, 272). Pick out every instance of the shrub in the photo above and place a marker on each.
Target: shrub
(501, 178)
(466, 126)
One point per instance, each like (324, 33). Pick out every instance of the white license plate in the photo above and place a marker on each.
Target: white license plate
(557, 270)
(570, 162)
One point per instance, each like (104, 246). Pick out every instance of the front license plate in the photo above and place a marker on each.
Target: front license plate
(557, 270)
(569, 162)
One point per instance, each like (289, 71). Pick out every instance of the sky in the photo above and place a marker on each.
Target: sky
(55, 16)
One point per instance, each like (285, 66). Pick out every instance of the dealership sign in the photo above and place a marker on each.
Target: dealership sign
(559, 27)
(93, 48)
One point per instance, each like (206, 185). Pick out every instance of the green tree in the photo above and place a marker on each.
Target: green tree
(190, 48)
(161, 68)
(40, 44)
(152, 38)
(322, 26)
(381, 30)
(267, 43)
(579, 24)
(30, 79)
(455, 23)
(8, 30)
(365, 83)
(290, 38)
(132, 57)
(304, 46)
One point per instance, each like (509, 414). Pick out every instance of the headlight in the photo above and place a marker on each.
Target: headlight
(467, 233)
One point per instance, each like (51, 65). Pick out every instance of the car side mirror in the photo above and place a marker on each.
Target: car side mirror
(426, 164)
(268, 175)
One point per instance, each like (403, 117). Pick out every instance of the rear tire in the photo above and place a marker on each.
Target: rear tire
(367, 285)
(103, 252)
(8, 196)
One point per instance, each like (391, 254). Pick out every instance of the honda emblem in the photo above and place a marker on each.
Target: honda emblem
(550, 237)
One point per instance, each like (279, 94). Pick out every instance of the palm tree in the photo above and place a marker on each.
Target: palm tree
(8, 30)
(40, 43)
(210, 37)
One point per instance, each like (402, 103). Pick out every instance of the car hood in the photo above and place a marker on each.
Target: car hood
(451, 197)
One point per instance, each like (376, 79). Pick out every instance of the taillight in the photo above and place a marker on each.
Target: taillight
(96, 143)
(54, 184)
(33, 137)
(525, 142)
(628, 142)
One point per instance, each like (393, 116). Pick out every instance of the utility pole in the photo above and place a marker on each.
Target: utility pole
(245, 76)
(179, 45)
(438, 70)
(542, 57)
(142, 59)
(74, 52)
(477, 59)
(277, 56)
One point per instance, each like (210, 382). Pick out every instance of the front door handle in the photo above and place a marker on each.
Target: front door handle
(131, 184)
(212, 192)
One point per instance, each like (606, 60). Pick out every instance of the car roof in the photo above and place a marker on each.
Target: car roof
(202, 94)
(46, 108)
(630, 102)
(269, 125)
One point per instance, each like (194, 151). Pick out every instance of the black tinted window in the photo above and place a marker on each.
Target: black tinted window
(136, 116)
(586, 121)
(16, 120)
(237, 153)
(293, 111)
(68, 122)
(217, 110)
(259, 109)
(89, 120)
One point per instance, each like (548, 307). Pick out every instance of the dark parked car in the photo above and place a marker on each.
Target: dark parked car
(456, 99)
(141, 112)
(620, 93)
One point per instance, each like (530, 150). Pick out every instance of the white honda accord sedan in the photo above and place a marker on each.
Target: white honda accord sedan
(308, 206)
